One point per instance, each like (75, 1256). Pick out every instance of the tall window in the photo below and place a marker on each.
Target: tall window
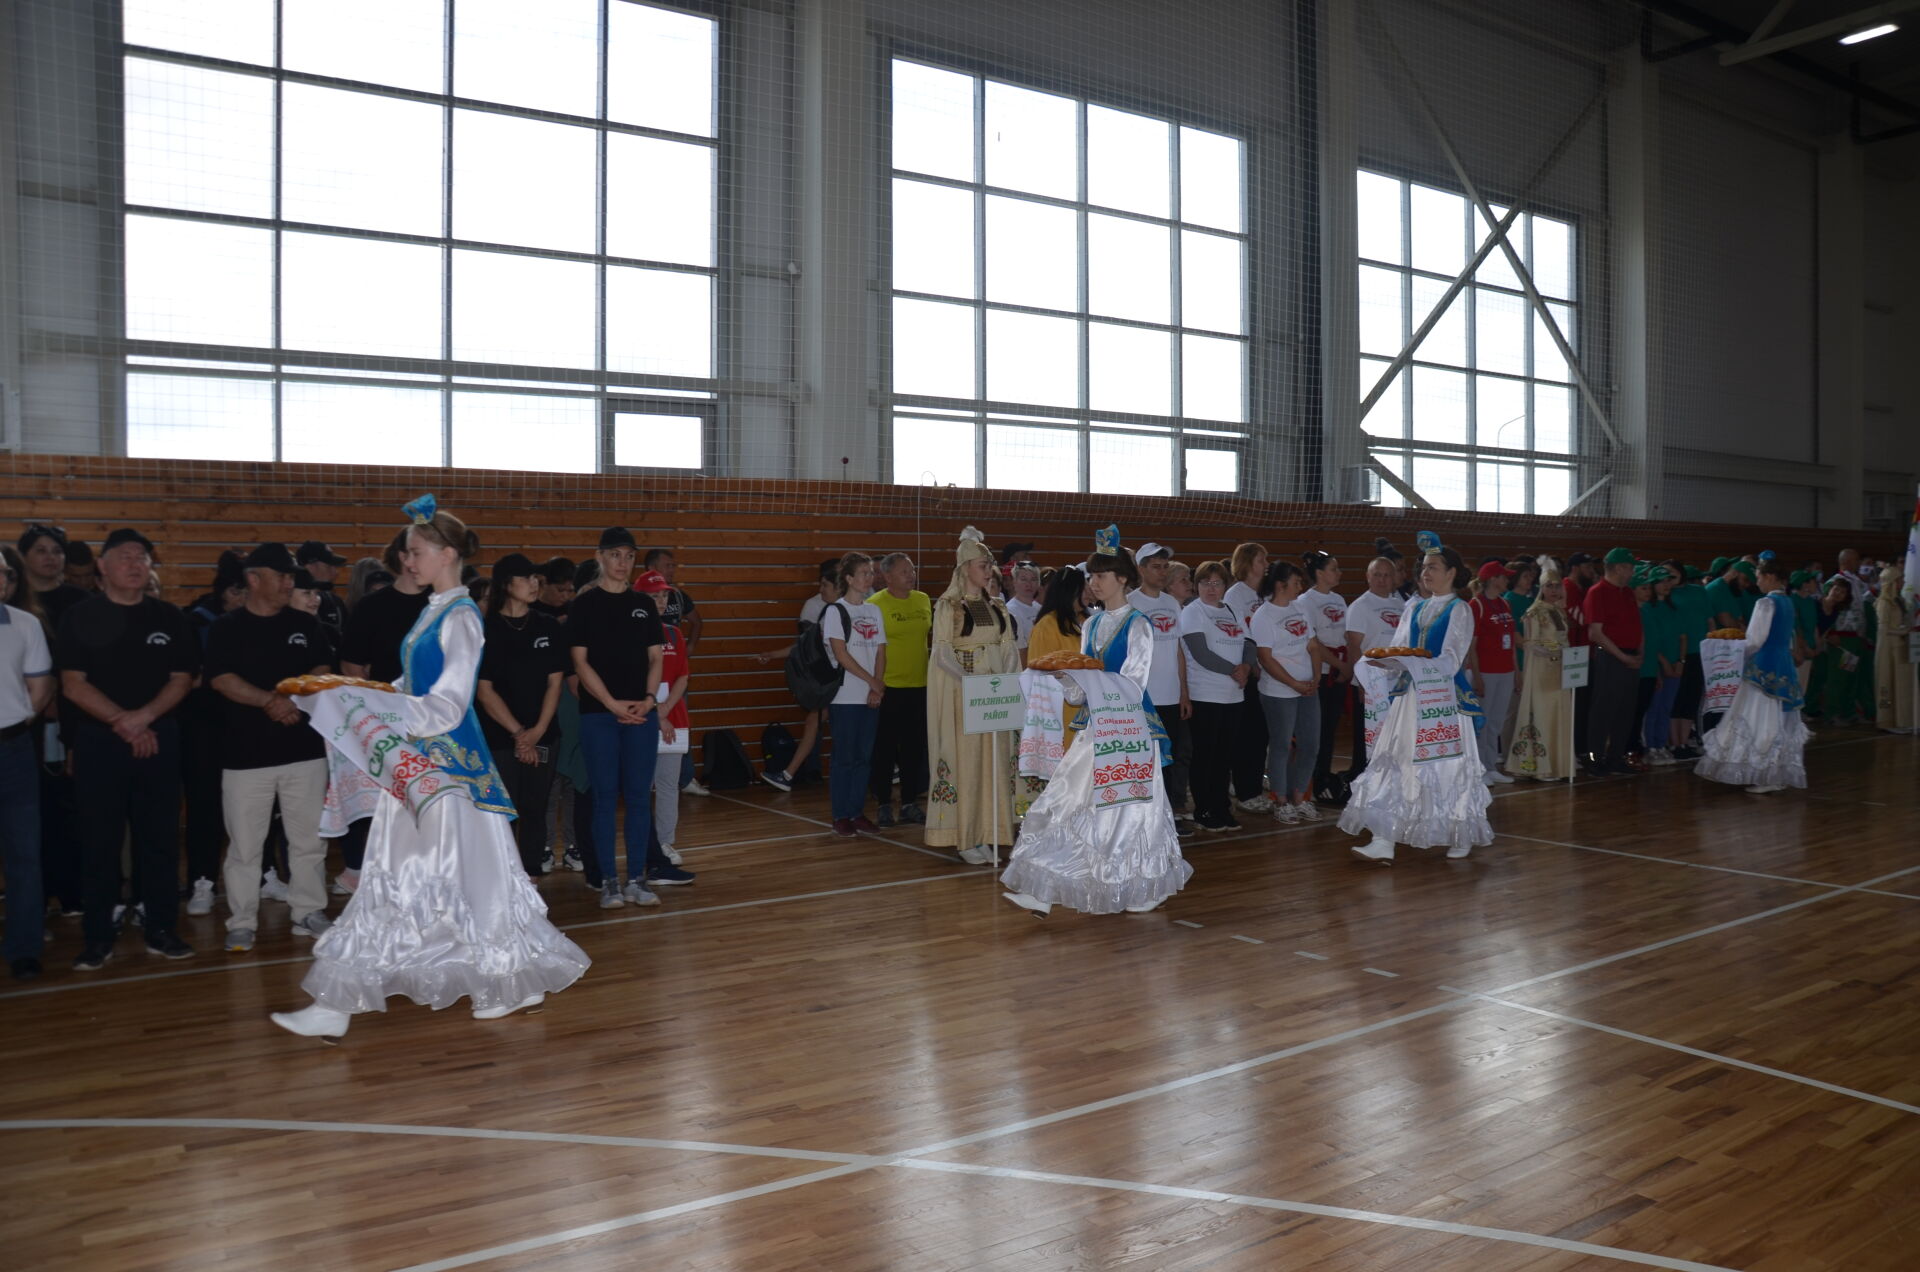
(1484, 414)
(417, 232)
(1069, 292)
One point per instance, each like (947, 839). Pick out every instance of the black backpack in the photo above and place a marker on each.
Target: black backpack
(728, 768)
(777, 746)
(811, 676)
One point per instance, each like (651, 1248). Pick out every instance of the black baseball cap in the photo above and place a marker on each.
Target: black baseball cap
(616, 537)
(301, 579)
(271, 556)
(377, 578)
(1579, 558)
(127, 534)
(33, 534)
(314, 550)
(515, 565)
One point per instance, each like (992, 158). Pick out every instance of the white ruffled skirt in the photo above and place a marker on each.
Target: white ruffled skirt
(443, 911)
(1097, 861)
(1435, 804)
(1757, 743)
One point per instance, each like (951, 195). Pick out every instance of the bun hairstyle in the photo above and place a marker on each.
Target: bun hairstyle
(1384, 547)
(1314, 562)
(848, 564)
(1279, 572)
(448, 531)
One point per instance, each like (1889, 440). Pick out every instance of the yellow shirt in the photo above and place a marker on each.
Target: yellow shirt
(1046, 639)
(908, 621)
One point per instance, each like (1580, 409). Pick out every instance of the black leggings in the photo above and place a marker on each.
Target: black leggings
(1249, 766)
(1213, 728)
(527, 786)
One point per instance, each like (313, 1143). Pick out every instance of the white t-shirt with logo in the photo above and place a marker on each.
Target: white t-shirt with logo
(1327, 611)
(1226, 638)
(1163, 613)
(810, 612)
(1244, 601)
(1025, 615)
(1376, 619)
(1284, 632)
(865, 640)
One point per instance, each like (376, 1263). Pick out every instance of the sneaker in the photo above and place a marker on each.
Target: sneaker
(271, 888)
(843, 826)
(1184, 826)
(201, 902)
(978, 855)
(886, 817)
(239, 940)
(167, 945)
(570, 859)
(25, 969)
(1459, 852)
(93, 958)
(1286, 814)
(547, 863)
(1260, 803)
(1218, 827)
(670, 853)
(610, 898)
(669, 876)
(693, 787)
(864, 825)
(913, 815)
(134, 915)
(68, 911)
(635, 893)
(313, 923)
(1496, 778)
(345, 884)
(1307, 812)
(779, 781)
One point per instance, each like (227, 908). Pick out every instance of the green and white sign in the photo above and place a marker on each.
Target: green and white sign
(992, 703)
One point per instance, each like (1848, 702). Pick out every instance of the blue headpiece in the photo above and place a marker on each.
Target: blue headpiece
(421, 510)
(1107, 542)
(1427, 541)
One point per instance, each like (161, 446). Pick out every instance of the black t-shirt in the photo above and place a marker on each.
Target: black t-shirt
(675, 606)
(263, 652)
(616, 629)
(333, 614)
(377, 628)
(558, 613)
(520, 654)
(128, 652)
(56, 601)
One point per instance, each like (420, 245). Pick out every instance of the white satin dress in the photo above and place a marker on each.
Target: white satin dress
(1757, 742)
(444, 909)
(1436, 803)
(1099, 861)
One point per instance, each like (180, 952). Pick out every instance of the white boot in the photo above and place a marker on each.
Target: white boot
(1040, 908)
(495, 1013)
(1375, 852)
(316, 1021)
(1459, 852)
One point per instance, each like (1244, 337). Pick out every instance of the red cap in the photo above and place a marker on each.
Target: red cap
(1493, 570)
(650, 581)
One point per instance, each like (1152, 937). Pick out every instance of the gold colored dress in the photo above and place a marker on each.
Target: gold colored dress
(960, 805)
(1541, 746)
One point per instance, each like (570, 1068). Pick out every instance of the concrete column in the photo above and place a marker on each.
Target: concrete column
(837, 175)
(1343, 447)
(1840, 297)
(12, 329)
(1631, 270)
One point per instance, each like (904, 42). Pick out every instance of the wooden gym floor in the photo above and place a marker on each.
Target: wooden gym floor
(1658, 1023)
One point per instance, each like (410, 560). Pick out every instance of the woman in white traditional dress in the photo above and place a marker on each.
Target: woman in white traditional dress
(1100, 838)
(444, 909)
(1761, 742)
(1423, 784)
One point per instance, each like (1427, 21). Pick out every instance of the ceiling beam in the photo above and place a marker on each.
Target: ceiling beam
(1845, 24)
(1772, 20)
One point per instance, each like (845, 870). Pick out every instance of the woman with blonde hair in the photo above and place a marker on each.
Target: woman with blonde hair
(972, 635)
(443, 909)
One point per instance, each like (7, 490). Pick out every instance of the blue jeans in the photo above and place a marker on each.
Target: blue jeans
(854, 726)
(620, 759)
(1660, 713)
(20, 847)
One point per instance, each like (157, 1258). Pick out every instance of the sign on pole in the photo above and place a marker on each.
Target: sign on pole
(1574, 666)
(992, 703)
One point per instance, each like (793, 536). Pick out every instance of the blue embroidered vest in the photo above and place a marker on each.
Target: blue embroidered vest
(1770, 668)
(1113, 658)
(1430, 623)
(461, 754)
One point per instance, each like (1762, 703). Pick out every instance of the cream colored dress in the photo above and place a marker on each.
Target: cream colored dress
(1542, 735)
(960, 805)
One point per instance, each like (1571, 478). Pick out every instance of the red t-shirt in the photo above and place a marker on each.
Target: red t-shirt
(1615, 609)
(673, 665)
(1493, 634)
(1576, 620)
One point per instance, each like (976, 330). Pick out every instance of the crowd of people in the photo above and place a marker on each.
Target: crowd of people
(137, 737)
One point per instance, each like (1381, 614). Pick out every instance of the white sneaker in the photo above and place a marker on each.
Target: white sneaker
(1308, 812)
(271, 889)
(201, 902)
(312, 924)
(1286, 814)
(547, 862)
(1035, 905)
(316, 1021)
(978, 855)
(1255, 803)
(345, 883)
(693, 787)
(531, 1004)
(1375, 852)
(671, 853)
(635, 893)
(1459, 853)
(1496, 778)
(1764, 790)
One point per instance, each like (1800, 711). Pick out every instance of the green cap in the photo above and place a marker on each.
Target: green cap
(1719, 566)
(1801, 578)
(1620, 556)
(1745, 568)
(1690, 573)
(1640, 577)
(1658, 574)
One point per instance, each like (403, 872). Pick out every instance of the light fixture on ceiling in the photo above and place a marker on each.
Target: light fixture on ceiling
(1871, 33)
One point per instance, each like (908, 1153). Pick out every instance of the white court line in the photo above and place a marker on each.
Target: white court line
(1691, 1051)
(243, 964)
(1701, 865)
(743, 843)
(1375, 971)
(1187, 923)
(1318, 958)
(1326, 1212)
(402, 1128)
(815, 821)
(1249, 940)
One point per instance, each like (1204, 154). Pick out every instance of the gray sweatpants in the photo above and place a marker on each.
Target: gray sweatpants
(1292, 724)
